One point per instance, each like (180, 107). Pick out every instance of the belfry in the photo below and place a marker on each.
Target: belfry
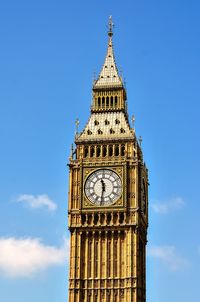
(108, 198)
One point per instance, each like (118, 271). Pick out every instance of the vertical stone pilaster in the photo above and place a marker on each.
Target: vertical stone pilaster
(106, 255)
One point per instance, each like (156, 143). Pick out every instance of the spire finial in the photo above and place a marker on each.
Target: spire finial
(140, 140)
(77, 124)
(133, 120)
(110, 26)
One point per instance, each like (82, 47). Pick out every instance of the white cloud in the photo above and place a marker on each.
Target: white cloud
(38, 201)
(169, 256)
(168, 206)
(26, 257)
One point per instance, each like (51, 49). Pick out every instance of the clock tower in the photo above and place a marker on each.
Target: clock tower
(108, 198)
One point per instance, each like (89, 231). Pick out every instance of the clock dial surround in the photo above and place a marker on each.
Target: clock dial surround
(103, 187)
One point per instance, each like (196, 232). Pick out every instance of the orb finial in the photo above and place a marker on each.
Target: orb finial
(110, 27)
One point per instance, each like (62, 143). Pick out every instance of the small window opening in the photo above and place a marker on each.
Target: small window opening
(96, 218)
(117, 122)
(104, 151)
(116, 150)
(107, 101)
(83, 218)
(116, 101)
(108, 218)
(123, 150)
(121, 218)
(98, 151)
(99, 101)
(96, 122)
(89, 132)
(110, 150)
(107, 122)
(111, 101)
(112, 131)
(100, 132)
(122, 130)
(92, 151)
(86, 151)
(103, 101)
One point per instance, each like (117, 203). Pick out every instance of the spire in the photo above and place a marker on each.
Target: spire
(109, 76)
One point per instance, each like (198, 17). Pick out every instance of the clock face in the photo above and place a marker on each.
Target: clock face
(103, 187)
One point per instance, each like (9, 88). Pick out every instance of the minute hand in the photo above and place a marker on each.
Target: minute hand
(103, 189)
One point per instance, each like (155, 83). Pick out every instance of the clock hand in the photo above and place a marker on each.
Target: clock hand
(103, 189)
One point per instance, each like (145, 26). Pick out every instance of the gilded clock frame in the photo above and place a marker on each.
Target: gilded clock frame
(120, 170)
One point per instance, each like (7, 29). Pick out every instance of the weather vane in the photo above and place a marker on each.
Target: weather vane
(110, 25)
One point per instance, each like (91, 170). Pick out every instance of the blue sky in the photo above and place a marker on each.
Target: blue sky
(49, 51)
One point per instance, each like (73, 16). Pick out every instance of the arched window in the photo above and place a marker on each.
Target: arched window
(117, 122)
(121, 218)
(96, 218)
(100, 132)
(110, 152)
(107, 102)
(99, 102)
(111, 101)
(123, 150)
(86, 151)
(92, 151)
(98, 151)
(116, 101)
(104, 151)
(96, 122)
(103, 102)
(107, 122)
(117, 150)
(112, 131)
